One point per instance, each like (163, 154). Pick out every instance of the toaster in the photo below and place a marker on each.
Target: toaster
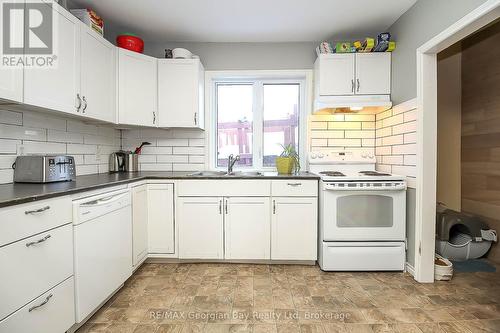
(44, 168)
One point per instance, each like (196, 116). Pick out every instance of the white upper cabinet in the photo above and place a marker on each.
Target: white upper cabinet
(137, 88)
(373, 73)
(98, 76)
(335, 74)
(161, 231)
(247, 228)
(348, 74)
(180, 93)
(58, 88)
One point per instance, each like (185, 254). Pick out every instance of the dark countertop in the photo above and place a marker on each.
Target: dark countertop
(17, 193)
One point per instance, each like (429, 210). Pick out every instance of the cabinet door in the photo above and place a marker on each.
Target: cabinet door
(201, 226)
(161, 229)
(247, 228)
(98, 76)
(139, 223)
(11, 84)
(56, 88)
(294, 228)
(336, 74)
(373, 73)
(137, 85)
(180, 93)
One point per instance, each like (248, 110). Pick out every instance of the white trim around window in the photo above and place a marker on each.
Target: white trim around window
(303, 77)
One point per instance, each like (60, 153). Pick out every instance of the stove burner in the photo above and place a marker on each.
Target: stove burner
(373, 173)
(332, 173)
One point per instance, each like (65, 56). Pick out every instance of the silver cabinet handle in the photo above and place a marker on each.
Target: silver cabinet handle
(220, 207)
(37, 210)
(41, 240)
(274, 206)
(154, 117)
(357, 81)
(294, 184)
(352, 85)
(47, 299)
(227, 204)
(84, 105)
(79, 102)
(196, 118)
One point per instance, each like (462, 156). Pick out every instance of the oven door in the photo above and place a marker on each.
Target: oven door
(364, 214)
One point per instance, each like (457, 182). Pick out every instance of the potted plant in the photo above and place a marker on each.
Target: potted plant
(288, 162)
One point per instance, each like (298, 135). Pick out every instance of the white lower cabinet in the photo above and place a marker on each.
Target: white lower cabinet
(201, 227)
(161, 228)
(53, 311)
(294, 228)
(139, 224)
(247, 228)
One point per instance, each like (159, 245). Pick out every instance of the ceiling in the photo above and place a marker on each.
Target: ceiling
(248, 20)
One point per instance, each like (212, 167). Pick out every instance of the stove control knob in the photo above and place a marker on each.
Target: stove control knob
(313, 156)
(371, 156)
(321, 155)
(364, 156)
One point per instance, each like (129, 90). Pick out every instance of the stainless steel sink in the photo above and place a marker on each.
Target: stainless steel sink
(209, 173)
(224, 173)
(246, 174)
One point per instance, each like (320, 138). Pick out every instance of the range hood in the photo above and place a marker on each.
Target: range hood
(352, 103)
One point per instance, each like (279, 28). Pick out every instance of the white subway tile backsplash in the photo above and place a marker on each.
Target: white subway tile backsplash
(394, 120)
(6, 161)
(410, 160)
(368, 143)
(405, 128)
(319, 125)
(405, 149)
(392, 140)
(410, 137)
(172, 142)
(43, 120)
(344, 125)
(367, 134)
(410, 171)
(368, 125)
(344, 142)
(22, 133)
(196, 159)
(360, 117)
(327, 134)
(9, 146)
(11, 117)
(81, 149)
(383, 115)
(63, 136)
(325, 117)
(84, 169)
(147, 158)
(197, 142)
(319, 142)
(39, 147)
(172, 158)
(383, 150)
(383, 132)
(410, 115)
(152, 150)
(393, 159)
(6, 176)
(189, 150)
(156, 167)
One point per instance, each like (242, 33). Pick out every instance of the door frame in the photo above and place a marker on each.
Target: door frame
(486, 13)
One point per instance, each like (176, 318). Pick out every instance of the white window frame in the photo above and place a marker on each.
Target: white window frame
(259, 78)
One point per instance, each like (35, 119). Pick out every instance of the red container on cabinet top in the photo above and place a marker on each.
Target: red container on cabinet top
(129, 42)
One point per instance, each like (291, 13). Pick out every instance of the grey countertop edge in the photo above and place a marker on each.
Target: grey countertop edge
(19, 193)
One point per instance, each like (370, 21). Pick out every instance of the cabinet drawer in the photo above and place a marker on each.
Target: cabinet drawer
(34, 265)
(294, 188)
(28, 219)
(52, 312)
(224, 187)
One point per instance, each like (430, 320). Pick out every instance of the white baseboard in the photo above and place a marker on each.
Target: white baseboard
(410, 269)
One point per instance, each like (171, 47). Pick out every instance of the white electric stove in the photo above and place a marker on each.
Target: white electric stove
(362, 212)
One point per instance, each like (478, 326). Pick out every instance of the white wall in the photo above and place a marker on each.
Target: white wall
(420, 23)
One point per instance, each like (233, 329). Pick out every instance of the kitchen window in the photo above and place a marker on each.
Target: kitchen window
(254, 118)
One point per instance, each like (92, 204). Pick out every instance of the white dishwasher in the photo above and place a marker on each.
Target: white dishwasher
(102, 248)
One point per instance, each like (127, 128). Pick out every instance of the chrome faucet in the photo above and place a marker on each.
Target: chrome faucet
(231, 161)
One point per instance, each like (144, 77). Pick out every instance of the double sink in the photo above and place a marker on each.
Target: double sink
(226, 174)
